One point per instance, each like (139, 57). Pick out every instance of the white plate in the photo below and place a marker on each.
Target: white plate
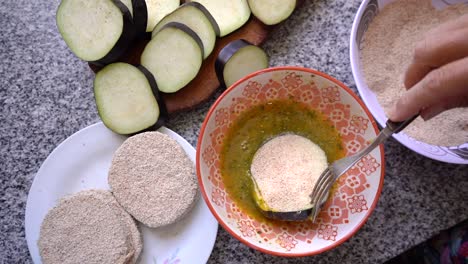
(81, 162)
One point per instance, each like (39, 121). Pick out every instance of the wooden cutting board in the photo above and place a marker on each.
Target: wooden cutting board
(206, 83)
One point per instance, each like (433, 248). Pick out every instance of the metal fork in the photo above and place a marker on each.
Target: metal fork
(339, 167)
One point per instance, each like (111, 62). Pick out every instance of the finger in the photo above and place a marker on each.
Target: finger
(415, 72)
(434, 51)
(453, 24)
(440, 85)
(450, 103)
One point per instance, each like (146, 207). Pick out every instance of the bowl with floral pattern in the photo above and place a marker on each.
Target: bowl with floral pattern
(352, 198)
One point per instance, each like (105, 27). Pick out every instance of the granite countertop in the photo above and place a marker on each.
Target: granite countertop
(46, 95)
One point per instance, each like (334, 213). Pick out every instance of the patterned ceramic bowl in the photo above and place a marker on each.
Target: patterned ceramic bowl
(367, 11)
(357, 191)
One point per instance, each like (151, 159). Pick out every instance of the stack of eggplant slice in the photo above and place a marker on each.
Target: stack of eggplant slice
(180, 38)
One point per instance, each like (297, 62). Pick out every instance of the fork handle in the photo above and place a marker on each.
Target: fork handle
(342, 165)
(396, 127)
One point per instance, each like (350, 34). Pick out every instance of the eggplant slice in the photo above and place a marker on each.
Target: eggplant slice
(96, 31)
(197, 18)
(272, 12)
(238, 59)
(229, 14)
(174, 56)
(284, 172)
(126, 99)
(157, 9)
(275, 214)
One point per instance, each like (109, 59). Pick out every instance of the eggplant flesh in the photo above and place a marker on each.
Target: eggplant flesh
(272, 12)
(157, 9)
(229, 15)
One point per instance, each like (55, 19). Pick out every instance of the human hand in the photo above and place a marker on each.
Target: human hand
(437, 78)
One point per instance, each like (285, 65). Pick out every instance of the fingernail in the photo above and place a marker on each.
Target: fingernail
(393, 113)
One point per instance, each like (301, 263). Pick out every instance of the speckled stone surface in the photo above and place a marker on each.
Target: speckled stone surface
(46, 95)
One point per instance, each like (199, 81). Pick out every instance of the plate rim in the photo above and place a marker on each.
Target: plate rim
(99, 125)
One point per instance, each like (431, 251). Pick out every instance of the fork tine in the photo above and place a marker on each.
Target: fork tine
(319, 183)
(319, 186)
(324, 192)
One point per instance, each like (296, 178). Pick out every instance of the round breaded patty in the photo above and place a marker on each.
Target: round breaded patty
(89, 227)
(132, 229)
(152, 177)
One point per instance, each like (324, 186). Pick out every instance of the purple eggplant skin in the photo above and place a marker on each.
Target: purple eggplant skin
(288, 216)
(187, 30)
(163, 114)
(225, 54)
(140, 18)
(126, 38)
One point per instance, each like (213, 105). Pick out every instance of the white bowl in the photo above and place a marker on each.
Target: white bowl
(364, 16)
